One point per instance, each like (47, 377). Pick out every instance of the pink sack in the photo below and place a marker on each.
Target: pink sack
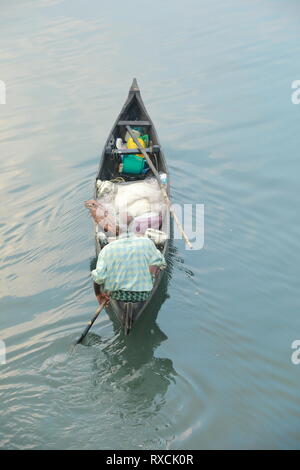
(149, 220)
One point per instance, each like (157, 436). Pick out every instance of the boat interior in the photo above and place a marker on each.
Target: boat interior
(136, 117)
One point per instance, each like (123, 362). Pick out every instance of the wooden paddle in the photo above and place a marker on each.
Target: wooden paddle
(163, 190)
(91, 322)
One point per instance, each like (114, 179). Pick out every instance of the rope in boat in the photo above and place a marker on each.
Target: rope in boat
(119, 179)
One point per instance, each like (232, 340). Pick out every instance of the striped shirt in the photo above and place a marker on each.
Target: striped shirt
(124, 264)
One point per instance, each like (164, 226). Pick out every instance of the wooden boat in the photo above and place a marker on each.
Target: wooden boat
(133, 114)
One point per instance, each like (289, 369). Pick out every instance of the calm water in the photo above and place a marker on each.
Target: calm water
(210, 364)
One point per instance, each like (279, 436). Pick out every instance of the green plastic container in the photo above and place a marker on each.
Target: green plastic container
(145, 138)
(133, 164)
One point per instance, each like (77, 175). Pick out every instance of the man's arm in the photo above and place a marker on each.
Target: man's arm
(157, 259)
(99, 274)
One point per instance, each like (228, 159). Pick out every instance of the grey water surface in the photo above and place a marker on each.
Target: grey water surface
(209, 366)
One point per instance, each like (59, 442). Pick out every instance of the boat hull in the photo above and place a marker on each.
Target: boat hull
(135, 113)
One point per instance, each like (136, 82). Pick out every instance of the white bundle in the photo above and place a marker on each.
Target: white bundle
(139, 197)
(135, 198)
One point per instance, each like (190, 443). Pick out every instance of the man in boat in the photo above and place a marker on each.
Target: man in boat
(126, 267)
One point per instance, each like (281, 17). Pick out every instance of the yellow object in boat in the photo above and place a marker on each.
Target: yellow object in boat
(132, 145)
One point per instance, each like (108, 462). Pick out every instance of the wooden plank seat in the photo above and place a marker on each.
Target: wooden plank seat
(134, 123)
(155, 148)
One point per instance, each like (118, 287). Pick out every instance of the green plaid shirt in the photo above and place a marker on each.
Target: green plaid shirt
(124, 264)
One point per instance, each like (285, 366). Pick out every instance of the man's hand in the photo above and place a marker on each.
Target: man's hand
(153, 270)
(103, 298)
